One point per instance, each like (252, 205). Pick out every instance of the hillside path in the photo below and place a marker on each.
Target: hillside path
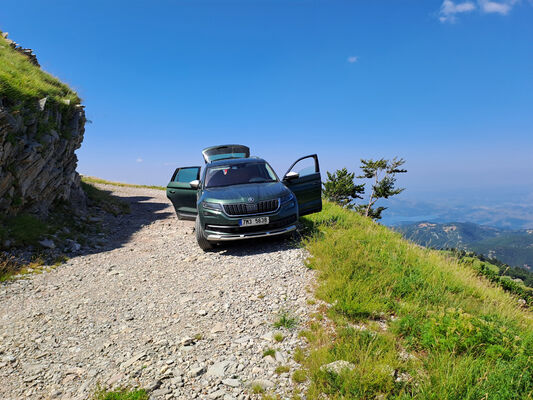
(152, 309)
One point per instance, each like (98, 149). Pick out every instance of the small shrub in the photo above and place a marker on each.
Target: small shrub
(281, 369)
(299, 376)
(278, 337)
(299, 355)
(310, 336)
(285, 321)
(269, 352)
(257, 389)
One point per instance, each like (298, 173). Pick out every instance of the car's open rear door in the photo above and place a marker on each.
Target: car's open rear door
(180, 192)
(303, 178)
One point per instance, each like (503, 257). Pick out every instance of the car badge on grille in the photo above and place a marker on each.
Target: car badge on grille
(250, 199)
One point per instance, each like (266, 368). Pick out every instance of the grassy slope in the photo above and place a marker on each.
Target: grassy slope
(469, 338)
(22, 81)
(91, 179)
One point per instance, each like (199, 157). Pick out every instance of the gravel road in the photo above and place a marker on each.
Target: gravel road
(151, 309)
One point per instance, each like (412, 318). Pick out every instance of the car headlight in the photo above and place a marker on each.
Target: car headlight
(211, 206)
(287, 198)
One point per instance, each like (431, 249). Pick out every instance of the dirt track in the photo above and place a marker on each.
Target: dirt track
(152, 309)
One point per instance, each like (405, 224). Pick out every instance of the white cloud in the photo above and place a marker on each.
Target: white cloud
(449, 9)
(353, 59)
(502, 8)
(139, 160)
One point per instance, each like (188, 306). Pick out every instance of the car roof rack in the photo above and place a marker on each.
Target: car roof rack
(226, 151)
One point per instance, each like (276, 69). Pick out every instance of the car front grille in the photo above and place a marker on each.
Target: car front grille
(280, 223)
(255, 208)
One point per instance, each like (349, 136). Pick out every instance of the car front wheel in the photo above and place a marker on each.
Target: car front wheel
(200, 237)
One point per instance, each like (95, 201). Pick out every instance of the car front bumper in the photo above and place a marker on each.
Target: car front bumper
(249, 235)
(221, 227)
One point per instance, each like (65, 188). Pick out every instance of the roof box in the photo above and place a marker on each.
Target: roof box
(225, 151)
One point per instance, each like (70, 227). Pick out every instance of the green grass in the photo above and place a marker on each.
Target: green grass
(257, 389)
(468, 338)
(278, 337)
(518, 281)
(10, 267)
(21, 81)
(90, 179)
(285, 320)
(281, 369)
(105, 200)
(269, 352)
(120, 394)
(24, 229)
(299, 376)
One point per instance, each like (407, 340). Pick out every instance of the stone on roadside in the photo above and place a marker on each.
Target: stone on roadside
(336, 367)
(218, 328)
(217, 394)
(217, 369)
(232, 382)
(194, 372)
(48, 243)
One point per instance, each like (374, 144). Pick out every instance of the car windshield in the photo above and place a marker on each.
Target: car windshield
(238, 174)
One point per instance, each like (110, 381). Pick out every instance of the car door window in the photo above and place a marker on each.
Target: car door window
(304, 167)
(186, 175)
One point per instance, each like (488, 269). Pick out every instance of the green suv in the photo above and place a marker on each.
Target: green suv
(241, 197)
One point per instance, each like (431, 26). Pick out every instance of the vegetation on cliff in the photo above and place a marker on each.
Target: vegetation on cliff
(22, 81)
(415, 323)
(341, 189)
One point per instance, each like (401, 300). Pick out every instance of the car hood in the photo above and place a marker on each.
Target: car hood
(242, 193)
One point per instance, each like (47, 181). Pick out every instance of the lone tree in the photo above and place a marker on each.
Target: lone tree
(383, 173)
(341, 189)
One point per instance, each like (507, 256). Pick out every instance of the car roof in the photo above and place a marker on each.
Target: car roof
(234, 161)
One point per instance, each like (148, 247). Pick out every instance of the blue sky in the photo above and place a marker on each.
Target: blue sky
(446, 85)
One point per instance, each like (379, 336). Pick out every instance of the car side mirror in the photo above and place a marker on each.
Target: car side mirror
(291, 175)
(194, 184)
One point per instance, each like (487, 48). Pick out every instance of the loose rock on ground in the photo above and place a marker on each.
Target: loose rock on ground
(151, 309)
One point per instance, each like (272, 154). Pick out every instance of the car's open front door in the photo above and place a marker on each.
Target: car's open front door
(303, 178)
(182, 194)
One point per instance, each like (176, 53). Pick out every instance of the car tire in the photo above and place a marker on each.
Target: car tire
(200, 238)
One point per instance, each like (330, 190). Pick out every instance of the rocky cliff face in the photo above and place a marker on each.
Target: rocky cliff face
(38, 139)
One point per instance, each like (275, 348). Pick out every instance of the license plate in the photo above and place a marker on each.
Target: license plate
(253, 221)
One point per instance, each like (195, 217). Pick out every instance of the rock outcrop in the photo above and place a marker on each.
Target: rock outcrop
(26, 52)
(38, 138)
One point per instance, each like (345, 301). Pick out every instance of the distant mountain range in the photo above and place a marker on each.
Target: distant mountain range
(513, 247)
(516, 214)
